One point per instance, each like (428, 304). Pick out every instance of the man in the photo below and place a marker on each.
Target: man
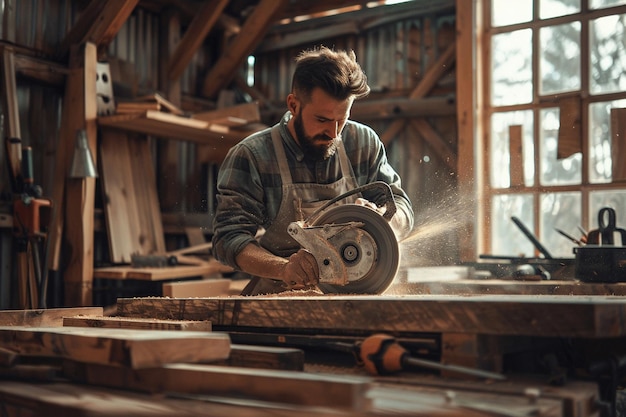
(281, 174)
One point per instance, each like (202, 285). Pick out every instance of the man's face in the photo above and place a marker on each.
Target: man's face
(318, 123)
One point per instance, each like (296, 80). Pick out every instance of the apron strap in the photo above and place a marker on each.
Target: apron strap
(279, 150)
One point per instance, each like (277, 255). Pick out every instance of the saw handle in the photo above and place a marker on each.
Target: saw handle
(389, 201)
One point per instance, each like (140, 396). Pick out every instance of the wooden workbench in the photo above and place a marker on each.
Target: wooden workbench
(254, 380)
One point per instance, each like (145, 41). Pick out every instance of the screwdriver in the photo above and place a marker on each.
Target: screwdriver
(380, 354)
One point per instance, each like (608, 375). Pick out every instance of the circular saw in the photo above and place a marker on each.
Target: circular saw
(355, 248)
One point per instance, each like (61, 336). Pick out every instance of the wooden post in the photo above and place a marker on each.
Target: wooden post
(74, 197)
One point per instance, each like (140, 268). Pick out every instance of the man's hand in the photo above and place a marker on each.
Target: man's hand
(301, 271)
(363, 202)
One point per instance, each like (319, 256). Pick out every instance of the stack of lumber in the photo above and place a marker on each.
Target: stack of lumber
(131, 202)
(111, 366)
(149, 102)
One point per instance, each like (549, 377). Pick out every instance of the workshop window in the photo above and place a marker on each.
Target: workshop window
(555, 118)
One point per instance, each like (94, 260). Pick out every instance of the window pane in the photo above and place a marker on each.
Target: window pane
(560, 58)
(600, 162)
(556, 171)
(512, 68)
(561, 211)
(507, 12)
(554, 8)
(599, 4)
(500, 161)
(607, 54)
(506, 238)
(615, 199)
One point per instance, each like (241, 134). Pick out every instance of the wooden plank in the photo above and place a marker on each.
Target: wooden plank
(211, 287)
(570, 139)
(265, 357)
(517, 156)
(249, 112)
(131, 203)
(194, 36)
(289, 387)
(120, 205)
(51, 317)
(136, 323)
(618, 143)
(513, 287)
(146, 197)
(160, 274)
(166, 125)
(126, 347)
(251, 34)
(80, 400)
(579, 316)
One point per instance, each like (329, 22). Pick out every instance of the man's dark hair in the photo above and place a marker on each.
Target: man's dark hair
(336, 72)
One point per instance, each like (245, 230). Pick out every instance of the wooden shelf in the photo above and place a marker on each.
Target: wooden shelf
(171, 126)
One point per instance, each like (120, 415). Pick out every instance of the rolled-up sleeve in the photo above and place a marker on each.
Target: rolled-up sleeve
(240, 210)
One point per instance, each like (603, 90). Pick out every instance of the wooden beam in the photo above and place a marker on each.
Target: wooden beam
(125, 347)
(255, 26)
(436, 142)
(469, 144)
(435, 71)
(512, 315)
(136, 323)
(291, 387)
(98, 24)
(402, 107)
(199, 28)
(80, 113)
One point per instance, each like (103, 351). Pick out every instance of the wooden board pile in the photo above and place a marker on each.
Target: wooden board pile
(78, 362)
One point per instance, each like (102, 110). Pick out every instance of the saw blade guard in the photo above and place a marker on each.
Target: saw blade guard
(366, 250)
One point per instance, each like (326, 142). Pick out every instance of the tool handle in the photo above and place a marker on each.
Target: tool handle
(389, 202)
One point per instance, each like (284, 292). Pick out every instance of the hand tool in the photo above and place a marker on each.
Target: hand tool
(380, 354)
(356, 250)
(531, 237)
(573, 239)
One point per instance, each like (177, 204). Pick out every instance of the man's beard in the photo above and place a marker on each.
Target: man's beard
(311, 150)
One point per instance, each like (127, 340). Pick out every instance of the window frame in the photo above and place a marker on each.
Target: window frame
(484, 111)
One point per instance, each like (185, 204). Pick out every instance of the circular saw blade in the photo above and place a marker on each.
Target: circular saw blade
(370, 276)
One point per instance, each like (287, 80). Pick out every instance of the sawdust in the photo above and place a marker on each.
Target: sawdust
(312, 292)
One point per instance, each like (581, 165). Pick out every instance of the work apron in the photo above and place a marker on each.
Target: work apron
(298, 202)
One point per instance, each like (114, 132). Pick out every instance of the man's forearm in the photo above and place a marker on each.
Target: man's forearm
(255, 260)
